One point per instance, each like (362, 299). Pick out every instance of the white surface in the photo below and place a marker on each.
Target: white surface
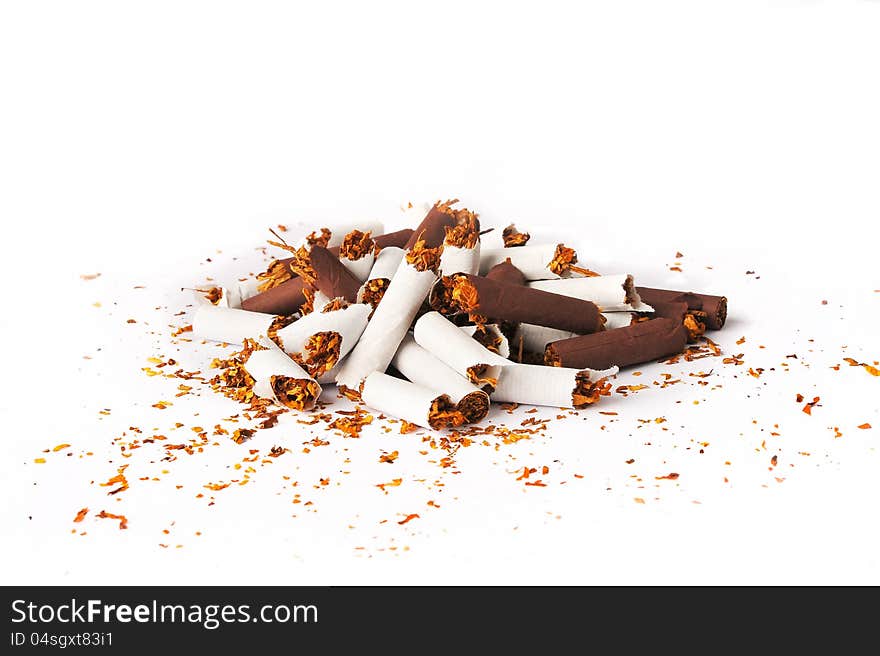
(137, 141)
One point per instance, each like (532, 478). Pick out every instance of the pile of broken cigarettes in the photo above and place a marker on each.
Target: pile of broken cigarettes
(425, 325)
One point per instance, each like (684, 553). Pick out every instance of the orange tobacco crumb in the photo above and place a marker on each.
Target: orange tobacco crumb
(513, 237)
(409, 518)
(81, 515)
(563, 262)
(389, 457)
(123, 520)
(808, 408)
(864, 426)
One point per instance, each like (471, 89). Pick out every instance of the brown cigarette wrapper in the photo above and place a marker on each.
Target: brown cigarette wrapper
(432, 229)
(641, 342)
(331, 277)
(506, 302)
(399, 238)
(507, 273)
(713, 307)
(284, 299)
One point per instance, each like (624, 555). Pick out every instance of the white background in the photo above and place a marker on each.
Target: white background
(137, 140)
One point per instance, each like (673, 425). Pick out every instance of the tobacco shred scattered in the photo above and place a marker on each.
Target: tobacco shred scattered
(350, 394)
(406, 427)
(587, 392)
(123, 520)
(564, 259)
(477, 375)
(874, 371)
(81, 515)
(513, 237)
(423, 258)
(212, 295)
(808, 408)
(242, 435)
(234, 381)
(351, 423)
(356, 245)
(276, 273)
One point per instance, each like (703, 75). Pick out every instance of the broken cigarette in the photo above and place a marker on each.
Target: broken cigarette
(408, 289)
(539, 262)
(486, 299)
(461, 246)
(233, 326)
(320, 340)
(708, 309)
(357, 253)
(532, 384)
(489, 336)
(614, 293)
(384, 267)
(277, 377)
(641, 342)
(463, 354)
(422, 368)
(410, 402)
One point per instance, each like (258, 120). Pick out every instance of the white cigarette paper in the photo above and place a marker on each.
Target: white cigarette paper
(615, 320)
(384, 266)
(321, 300)
(348, 323)
(390, 322)
(535, 338)
(460, 260)
(610, 293)
(533, 261)
(533, 384)
(495, 332)
(399, 398)
(273, 362)
(242, 290)
(361, 268)
(230, 325)
(421, 367)
(451, 345)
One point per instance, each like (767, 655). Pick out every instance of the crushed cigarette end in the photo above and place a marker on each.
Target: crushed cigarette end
(477, 375)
